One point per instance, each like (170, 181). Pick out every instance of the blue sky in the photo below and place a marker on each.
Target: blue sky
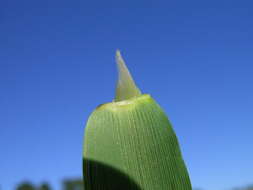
(57, 64)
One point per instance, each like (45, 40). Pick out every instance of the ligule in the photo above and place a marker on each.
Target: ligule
(126, 87)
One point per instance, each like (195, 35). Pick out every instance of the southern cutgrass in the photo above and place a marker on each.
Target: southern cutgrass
(130, 144)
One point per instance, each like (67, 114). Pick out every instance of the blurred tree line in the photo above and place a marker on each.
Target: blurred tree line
(250, 187)
(77, 184)
(73, 184)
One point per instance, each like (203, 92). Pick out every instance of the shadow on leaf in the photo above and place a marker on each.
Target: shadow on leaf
(98, 176)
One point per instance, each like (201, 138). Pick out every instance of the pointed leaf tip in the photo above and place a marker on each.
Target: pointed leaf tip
(126, 87)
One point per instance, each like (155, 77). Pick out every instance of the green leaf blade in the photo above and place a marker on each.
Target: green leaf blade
(136, 138)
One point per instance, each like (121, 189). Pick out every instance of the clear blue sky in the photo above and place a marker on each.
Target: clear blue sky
(57, 64)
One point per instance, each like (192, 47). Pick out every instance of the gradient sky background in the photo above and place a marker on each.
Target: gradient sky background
(57, 64)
